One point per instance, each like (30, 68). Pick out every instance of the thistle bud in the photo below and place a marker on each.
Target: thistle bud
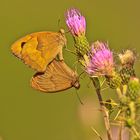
(130, 114)
(82, 46)
(114, 81)
(127, 60)
(129, 122)
(126, 73)
(133, 88)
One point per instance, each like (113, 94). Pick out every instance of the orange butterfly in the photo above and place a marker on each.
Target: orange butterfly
(38, 49)
(57, 77)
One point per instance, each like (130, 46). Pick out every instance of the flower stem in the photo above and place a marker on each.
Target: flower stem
(103, 108)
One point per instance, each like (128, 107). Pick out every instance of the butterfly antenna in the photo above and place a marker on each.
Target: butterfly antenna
(58, 23)
(79, 98)
(68, 31)
(75, 65)
(81, 74)
(88, 84)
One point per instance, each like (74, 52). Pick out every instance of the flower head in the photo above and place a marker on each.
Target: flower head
(75, 22)
(127, 58)
(101, 60)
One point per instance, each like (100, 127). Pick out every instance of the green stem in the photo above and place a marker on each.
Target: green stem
(103, 108)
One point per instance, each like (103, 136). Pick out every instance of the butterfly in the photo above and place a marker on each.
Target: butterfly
(57, 77)
(38, 49)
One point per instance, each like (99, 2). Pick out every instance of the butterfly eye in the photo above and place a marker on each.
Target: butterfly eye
(22, 44)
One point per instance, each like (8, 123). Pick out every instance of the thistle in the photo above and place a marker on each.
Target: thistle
(77, 26)
(101, 63)
(101, 60)
(127, 60)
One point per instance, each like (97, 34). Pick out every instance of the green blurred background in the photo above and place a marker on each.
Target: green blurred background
(26, 114)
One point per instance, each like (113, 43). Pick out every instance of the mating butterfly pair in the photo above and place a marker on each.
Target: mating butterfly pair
(39, 51)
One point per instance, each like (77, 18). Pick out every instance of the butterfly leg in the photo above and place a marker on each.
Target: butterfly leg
(60, 54)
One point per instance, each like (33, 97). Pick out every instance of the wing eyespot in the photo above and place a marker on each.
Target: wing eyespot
(22, 44)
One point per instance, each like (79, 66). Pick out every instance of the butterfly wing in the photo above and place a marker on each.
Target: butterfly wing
(37, 50)
(17, 46)
(57, 77)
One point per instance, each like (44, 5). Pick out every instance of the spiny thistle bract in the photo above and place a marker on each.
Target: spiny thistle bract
(134, 88)
(114, 81)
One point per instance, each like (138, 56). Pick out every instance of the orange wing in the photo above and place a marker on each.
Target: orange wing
(37, 50)
(57, 77)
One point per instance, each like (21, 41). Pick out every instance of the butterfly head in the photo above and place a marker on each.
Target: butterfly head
(76, 84)
(75, 81)
(62, 32)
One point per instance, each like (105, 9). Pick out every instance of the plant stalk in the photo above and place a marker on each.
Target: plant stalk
(103, 108)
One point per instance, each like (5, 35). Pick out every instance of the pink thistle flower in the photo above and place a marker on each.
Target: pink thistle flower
(75, 22)
(100, 60)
